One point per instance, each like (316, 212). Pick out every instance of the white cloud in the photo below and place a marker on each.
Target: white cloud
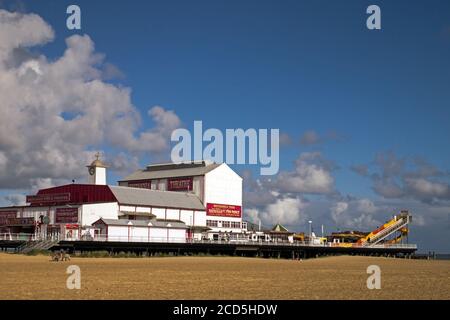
(285, 210)
(337, 209)
(3, 161)
(408, 178)
(18, 30)
(428, 189)
(357, 213)
(123, 163)
(311, 175)
(54, 113)
(365, 206)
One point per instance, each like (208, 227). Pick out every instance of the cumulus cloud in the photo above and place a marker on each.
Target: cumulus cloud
(110, 72)
(410, 178)
(19, 30)
(15, 199)
(282, 199)
(356, 213)
(310, 137)
(338, 209)
(426, 189)
(284, 210)
(123, 163)
(365, 206)
(312, 174)
(56, 112)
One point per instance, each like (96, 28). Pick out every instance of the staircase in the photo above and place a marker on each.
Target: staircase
(37, 245)
(402, 221)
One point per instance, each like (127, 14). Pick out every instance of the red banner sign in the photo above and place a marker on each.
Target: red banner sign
(66, 215)
(223, 210)
(19, 221)
(180, 184)
(143, 184)
(72, 226)
(5, 215)
(48, 198)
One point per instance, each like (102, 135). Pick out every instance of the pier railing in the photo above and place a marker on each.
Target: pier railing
(240, 242)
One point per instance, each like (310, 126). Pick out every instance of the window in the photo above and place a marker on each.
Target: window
(235, 225)
(211, 223)
(225, 224)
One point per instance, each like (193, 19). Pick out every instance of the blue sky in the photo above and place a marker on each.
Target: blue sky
(294, 65)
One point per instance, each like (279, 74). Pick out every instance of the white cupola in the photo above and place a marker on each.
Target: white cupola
(97, 171)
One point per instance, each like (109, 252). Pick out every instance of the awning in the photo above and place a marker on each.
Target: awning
(199, 228)
(134, 213)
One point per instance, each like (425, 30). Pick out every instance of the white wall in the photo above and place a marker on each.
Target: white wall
(160, 213)
(92, 212)
(99, 176)
(158, 234)
(143, 209)
(177, 235)
(141, 234)
(223, 186)
(117, 233)
(173, 214)
(200, 218)
(187, 217)
(127, 208)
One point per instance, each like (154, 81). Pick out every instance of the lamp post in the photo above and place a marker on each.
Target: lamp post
(310, 231)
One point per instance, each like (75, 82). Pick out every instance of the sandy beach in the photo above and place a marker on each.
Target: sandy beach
(343, 277)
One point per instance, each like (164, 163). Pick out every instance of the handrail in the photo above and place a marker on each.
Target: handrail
(383, 234)
(240, 242)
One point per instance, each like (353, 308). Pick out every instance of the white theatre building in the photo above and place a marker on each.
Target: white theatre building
(161, 203)
(217, 186)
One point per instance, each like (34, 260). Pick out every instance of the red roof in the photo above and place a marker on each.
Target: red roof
(79, 193)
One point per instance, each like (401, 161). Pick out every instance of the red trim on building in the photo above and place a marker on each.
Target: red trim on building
(79, 193)
(143, 184)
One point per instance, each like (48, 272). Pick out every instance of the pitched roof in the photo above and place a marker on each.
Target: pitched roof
(156, 198)
(172, 170)
(144, 223)
(279, 228)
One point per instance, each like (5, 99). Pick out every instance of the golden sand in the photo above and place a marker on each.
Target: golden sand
(344, 277)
